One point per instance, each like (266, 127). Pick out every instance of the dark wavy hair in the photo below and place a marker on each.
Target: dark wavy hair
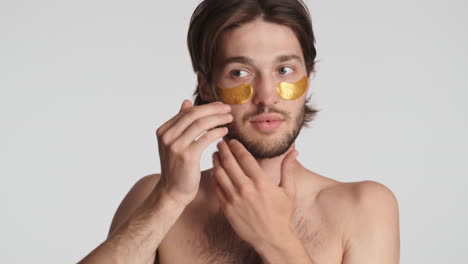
(213, 17)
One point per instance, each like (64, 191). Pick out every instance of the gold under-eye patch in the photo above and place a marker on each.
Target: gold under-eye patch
(237, 95)
(291, 91)
(242, 93)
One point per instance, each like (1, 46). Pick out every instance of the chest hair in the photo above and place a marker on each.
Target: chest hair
(218, 243)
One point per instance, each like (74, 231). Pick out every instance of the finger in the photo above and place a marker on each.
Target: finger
(202, 125)
(220, 193)
(191, 115)
(223, 179)
(185, 104)
(231, 166)
(209, 137)
(287, 180)
(245, 159)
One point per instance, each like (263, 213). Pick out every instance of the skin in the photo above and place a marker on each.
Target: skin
(273, 209)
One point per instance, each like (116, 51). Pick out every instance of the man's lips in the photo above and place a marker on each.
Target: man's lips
(266, 118)
(267, 123)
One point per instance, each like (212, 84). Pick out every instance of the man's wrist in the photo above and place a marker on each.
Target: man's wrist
(162, 195)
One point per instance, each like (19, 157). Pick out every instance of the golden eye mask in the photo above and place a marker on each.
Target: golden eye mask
(242, 93)
(237, 95)
(291, 91)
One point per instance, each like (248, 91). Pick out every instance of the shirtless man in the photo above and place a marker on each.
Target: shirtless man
(257, 204)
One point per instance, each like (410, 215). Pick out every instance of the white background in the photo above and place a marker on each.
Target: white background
(84, 85)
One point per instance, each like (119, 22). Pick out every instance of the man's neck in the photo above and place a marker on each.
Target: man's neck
(272, 167)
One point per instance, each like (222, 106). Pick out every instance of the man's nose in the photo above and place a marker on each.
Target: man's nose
(265, 91)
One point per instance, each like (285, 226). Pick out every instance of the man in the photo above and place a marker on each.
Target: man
(257, 204)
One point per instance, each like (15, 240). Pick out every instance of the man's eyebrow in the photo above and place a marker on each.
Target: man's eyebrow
(284, 58)
(238, 59)
(249, 61)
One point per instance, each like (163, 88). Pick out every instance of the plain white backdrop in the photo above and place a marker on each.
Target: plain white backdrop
(85, 84)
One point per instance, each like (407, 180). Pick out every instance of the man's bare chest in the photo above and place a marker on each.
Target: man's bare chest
(212, 240)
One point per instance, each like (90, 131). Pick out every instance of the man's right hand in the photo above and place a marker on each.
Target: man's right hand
(180, 153)
(140, 224)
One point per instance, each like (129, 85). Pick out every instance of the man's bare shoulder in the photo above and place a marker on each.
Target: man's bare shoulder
(354, 194)
(369, 215)
(142, 188)
(135, 196)
(356, 199)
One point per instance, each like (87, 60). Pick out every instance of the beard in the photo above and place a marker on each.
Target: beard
(267, 149)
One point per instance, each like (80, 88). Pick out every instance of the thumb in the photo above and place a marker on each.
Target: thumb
(287, 172)
(185, 104)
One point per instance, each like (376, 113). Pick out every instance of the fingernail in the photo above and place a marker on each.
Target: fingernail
(227, 107)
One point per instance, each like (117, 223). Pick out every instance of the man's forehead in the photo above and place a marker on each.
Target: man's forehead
(258, 41)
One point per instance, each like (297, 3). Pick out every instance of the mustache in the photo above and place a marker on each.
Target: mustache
(266, 109)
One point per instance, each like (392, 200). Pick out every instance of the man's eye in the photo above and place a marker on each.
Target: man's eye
(285, 70)
(239, 73)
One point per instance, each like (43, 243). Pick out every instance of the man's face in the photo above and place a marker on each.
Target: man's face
(262, 54)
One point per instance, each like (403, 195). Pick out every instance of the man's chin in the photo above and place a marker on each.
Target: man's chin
(265, 145)
(265, 148)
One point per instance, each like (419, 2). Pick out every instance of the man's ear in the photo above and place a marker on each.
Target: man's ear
(204, 90)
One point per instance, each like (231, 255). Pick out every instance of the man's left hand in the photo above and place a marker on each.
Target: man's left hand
(259, 211)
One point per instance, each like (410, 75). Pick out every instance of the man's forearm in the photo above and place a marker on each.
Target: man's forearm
(138, 237)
